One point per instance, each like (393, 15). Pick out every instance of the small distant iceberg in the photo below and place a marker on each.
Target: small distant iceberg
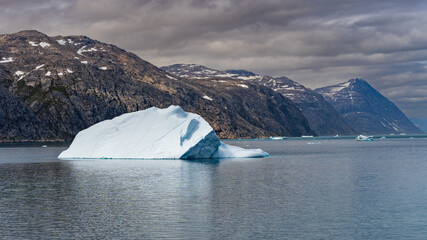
(154, 133)
(364, 138)
(278, 138)
(229, 151)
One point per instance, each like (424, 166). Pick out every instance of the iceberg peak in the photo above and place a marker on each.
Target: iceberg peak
(153, 133)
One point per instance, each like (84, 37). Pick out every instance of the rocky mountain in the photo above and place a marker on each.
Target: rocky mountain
(18, 121)
(195, 71)
(53, 87)
(366, 109)
(321, 115)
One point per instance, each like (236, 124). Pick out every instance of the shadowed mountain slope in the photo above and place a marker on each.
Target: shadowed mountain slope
(366, 109)
(321, 115)
(68, 83)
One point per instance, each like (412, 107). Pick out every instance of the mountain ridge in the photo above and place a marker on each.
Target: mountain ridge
(322, 116)
(71, 82)
(367, 109)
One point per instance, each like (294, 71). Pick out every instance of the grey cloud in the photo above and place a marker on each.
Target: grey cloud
(314, 42)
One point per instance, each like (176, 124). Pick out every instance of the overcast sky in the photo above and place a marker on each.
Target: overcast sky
(316, 43)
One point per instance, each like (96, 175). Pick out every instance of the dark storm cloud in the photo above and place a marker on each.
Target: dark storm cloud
(313, 42)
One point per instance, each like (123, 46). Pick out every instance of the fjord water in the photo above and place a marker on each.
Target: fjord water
(307, 189)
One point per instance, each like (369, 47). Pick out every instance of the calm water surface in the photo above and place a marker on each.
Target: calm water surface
(307, 189)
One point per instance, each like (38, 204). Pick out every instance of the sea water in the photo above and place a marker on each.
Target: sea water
(307, 189)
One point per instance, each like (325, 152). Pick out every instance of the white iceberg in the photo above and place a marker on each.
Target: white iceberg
(229, 151)
(154, 133)
(364, 138)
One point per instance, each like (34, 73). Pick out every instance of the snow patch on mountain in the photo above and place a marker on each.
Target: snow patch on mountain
(170, 77)
(6, 60)
(61, 41)
(44, 44)
(38, 67)
(207, 98)
(21, 74)
(41, 44)
(197, 71)
(247, 78)
(83, 49)
(33, 44)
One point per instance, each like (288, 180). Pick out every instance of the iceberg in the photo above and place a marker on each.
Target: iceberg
(364, 138)
(229, 151)
(154, 133)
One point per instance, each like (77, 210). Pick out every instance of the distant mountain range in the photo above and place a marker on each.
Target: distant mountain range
(366, 109)
(349, 108)
(321, 115)
(53, 87)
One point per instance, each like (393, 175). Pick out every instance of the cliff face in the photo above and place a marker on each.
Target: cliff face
(18, 121)
(321, 115)
(366, 109)
(65, 84)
